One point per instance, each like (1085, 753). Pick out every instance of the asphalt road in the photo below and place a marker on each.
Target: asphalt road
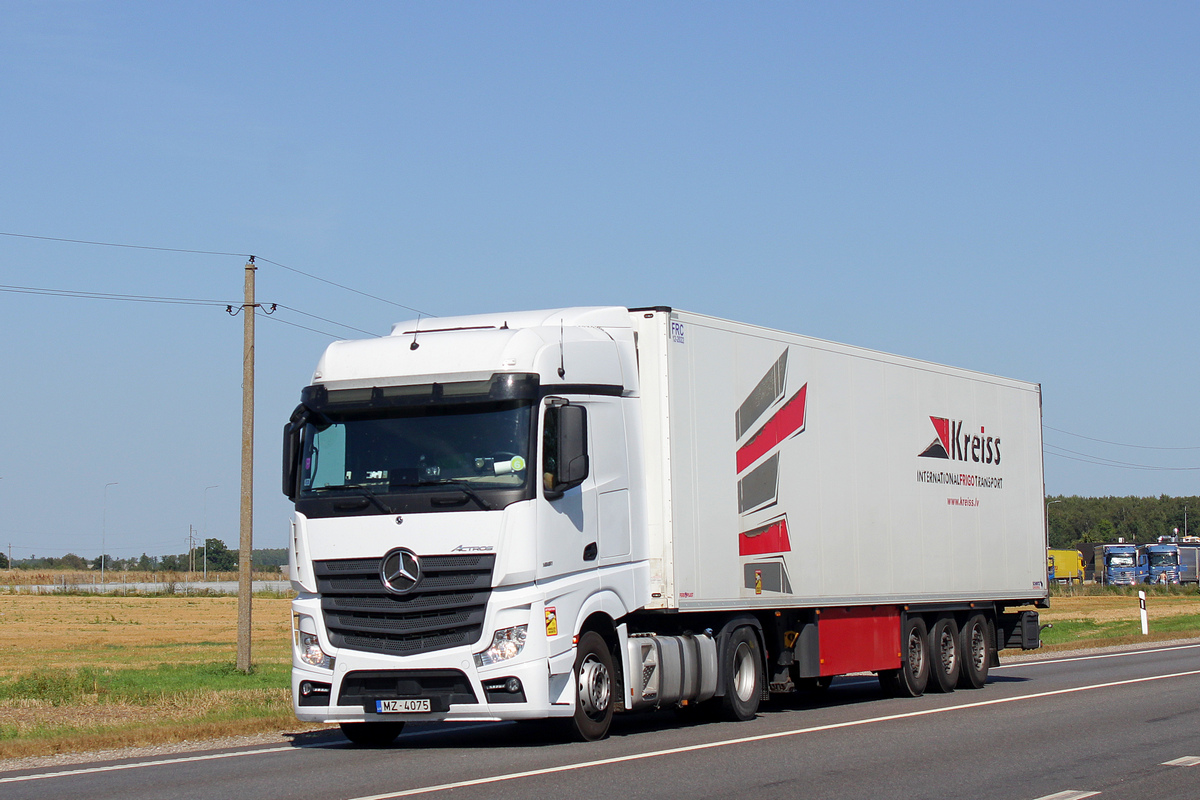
(1063, 728)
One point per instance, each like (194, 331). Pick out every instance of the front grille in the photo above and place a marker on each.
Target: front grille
(446, 608)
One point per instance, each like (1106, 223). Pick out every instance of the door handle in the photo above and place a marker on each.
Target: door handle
(590, 552)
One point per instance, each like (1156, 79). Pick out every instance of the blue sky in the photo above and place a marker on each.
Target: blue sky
(1009, 187)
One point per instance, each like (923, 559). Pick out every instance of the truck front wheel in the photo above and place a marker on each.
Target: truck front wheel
(594, 689)
(741, 676)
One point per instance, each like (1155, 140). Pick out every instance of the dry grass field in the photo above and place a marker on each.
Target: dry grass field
(82, 672)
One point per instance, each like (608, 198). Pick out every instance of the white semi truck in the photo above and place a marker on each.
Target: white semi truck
(586, 511)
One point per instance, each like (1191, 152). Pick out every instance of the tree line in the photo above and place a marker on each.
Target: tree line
(1075, 520)
(219, 559)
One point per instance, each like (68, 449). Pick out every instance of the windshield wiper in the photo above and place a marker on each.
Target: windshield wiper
(361, 489)
(457, 484)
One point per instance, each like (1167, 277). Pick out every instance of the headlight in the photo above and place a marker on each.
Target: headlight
(507, 643)
(308, 646)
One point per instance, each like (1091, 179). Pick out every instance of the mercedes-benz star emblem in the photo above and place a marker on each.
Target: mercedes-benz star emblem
(400, 570)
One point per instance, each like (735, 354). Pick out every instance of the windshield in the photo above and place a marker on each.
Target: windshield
(1120, 560)
(1163, 560)
(476, 445)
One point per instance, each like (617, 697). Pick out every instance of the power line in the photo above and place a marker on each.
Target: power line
(192, 301)
(347, 288)
(131, 298)
(218, 253)
(118, 244)
(323, 319)
(265, 315)
(1115, 444)
(1107, 462)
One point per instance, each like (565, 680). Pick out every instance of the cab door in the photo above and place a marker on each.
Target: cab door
(568, 534)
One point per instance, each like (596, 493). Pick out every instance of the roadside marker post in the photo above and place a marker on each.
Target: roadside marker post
(1145, 622)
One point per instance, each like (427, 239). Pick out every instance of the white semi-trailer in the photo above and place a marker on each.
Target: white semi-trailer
(571, 513)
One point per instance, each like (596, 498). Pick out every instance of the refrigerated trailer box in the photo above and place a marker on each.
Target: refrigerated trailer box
(573, 512)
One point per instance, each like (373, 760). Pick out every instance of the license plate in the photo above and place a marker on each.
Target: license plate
(402, 706)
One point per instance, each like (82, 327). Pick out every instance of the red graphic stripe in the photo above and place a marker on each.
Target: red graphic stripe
(772, 538)
(787, 420)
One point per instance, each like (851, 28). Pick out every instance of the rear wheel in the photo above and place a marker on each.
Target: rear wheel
(594, 688)
(741, 676)
(944, 655)
(371, 734)
(975, 653)
(913, 676)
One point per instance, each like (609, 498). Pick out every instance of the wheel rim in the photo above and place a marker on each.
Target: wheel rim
(978, 648)
(946, 652)
(916, 653)
(744, 672)
(595, 687)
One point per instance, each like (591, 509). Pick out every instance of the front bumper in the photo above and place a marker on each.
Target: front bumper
(454, 686)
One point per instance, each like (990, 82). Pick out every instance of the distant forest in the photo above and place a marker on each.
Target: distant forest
(220, 559)
(1075, 521)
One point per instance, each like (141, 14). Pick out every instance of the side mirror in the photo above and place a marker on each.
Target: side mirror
(566, 447)
(291, 451)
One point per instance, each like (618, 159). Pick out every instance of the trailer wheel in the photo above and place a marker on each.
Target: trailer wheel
(741, 676)
(594, 689)
(913, 676)
(945, 656)
(371, 734)
(974, 649)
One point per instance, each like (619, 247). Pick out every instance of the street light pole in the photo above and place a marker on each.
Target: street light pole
(104, 532)
(206, 488)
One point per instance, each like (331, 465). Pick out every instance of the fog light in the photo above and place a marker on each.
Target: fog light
(512, 686)
(506, 644)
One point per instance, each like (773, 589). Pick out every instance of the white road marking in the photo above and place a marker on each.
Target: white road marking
(186, 759)
(1186, 761)
(136, 765)
(766, 737)
(1069, 794)
(1039, 662)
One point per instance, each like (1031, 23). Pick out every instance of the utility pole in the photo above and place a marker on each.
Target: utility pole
(246, 543)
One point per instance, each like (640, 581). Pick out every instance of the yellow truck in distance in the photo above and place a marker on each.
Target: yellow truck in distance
(1064, 566)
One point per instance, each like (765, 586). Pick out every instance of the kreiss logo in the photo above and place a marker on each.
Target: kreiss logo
(953, 444)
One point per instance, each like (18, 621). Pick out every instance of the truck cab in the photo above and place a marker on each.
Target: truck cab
(1118, 563)
(1159, 563)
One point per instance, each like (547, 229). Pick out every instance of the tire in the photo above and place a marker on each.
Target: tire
(975, 653)
(913, 676)
(944, 655)
(371, 734)
(741, 676)
(594, 689)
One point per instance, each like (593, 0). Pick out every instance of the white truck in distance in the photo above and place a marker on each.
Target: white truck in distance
(579, 512)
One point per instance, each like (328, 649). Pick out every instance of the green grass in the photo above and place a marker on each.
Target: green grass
(141, 686)
(1078, 631)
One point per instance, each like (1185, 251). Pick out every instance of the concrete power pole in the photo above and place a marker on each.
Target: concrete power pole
(246, 548)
